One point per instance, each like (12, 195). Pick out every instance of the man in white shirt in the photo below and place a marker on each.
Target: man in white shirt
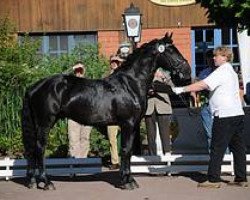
(226, 107)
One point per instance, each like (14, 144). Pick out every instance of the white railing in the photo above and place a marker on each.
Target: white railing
(173, 163)
(54, 166)
(164, 164)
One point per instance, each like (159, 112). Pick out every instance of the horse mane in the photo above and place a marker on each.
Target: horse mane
(143, 50)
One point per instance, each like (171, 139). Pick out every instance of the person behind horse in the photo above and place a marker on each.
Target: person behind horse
(159, 111)
(115, 62)
(78, 134)
(206, 115)
(226, 107)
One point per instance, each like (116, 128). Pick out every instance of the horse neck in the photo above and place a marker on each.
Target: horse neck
(143, 72)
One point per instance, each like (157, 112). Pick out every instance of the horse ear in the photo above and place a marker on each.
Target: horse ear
(171, 35)
(168, 37)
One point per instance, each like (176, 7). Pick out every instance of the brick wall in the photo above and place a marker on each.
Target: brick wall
(181, 38)
(109, 40)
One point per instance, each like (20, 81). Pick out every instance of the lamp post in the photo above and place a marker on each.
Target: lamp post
(132, 23)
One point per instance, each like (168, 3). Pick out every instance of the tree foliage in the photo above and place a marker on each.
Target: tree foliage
(228, 13)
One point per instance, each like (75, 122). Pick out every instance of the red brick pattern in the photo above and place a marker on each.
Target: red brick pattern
(109, 40)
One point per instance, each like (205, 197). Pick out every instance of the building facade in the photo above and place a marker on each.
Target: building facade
(62, 24)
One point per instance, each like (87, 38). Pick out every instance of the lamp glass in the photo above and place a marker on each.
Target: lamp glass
(132, 23)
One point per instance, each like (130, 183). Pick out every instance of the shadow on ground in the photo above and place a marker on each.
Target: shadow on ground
(113, 178)
(198, 177)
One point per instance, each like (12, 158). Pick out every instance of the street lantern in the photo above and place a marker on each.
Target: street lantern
(132, 22)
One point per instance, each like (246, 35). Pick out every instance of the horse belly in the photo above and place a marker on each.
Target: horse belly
(91, 113)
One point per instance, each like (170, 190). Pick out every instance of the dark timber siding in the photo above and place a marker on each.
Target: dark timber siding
(94, 15)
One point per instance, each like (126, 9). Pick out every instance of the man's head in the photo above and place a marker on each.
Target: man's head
(124, 50)
(115, 61)
(79, 69)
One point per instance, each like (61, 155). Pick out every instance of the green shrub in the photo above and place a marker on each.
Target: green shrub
(20, 67)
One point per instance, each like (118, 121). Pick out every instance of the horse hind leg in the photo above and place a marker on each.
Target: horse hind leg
(29, 141)
(43, 181)
(30, 156)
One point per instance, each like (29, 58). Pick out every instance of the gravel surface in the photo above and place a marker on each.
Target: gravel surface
(102, 187)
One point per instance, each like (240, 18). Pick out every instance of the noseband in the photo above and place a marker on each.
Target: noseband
(177, 69)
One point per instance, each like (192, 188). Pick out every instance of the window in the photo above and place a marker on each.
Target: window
(209, 38)
(58, 44)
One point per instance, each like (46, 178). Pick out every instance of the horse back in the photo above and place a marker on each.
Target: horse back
(94, 102)
(87, 101)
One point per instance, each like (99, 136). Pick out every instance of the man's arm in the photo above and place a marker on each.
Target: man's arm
(195, 87)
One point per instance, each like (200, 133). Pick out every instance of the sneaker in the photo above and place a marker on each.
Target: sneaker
(238, 184)
(208, 184)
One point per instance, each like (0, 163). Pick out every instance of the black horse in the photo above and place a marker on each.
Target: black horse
(118, 99)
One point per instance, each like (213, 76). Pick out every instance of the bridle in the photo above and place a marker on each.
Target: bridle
(177, 68)
(174, 69)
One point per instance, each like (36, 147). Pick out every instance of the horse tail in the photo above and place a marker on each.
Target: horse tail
(28, 129)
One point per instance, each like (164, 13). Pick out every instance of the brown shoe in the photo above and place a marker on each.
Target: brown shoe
(238, 184)
(208, 184)
(114, 166)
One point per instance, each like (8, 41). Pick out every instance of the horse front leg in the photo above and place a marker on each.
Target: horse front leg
(128, 132)
(43, 181)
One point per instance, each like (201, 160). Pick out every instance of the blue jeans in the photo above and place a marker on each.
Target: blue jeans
(207, 122)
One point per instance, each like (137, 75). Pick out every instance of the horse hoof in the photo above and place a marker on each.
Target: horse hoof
(46, 186)
(135, 184)
(129, 186)
(49, 186)
(31, 185)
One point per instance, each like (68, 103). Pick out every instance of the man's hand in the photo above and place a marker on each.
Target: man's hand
(178, 90)
(151, 92)
(161, 87)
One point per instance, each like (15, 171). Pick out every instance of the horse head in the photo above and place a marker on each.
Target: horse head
(171, 59)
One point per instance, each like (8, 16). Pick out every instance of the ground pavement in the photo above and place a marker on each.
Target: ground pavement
(102, 187)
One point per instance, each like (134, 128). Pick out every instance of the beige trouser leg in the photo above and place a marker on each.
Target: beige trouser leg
(78, 139)
(112, 134)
